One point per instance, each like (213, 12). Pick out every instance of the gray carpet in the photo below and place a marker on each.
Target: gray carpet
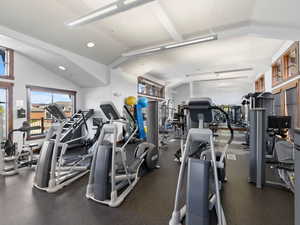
(150, 203)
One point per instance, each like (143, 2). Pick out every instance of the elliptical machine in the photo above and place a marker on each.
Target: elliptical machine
(57, 167)
(112, 175)
(206, 174)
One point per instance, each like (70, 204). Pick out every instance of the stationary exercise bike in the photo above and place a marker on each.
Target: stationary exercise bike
(15, 156)
(205, 174)
(113, 175)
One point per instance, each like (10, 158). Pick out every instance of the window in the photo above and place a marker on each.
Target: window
(6, 63)
(38, 98)
(277, 75)
(277, 103)
(287, 103)
(260, 84)
(6, 116)
(291, 65)
(291, 108)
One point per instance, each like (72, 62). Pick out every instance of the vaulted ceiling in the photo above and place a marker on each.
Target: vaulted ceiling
(249, 33)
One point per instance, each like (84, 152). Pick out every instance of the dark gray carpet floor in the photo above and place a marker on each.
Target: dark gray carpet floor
(150, 203)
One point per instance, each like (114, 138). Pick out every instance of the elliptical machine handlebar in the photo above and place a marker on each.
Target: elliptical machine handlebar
(228, 123)
(25, 128)
(222, 111)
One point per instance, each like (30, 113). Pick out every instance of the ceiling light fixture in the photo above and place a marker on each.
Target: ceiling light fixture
(225, 78)
(62, 68)
(90, 44)
(142, 52)
(106, 11)
(127, 2)
(234, 70)
(217, 73)
(170, 46)
(192, 42)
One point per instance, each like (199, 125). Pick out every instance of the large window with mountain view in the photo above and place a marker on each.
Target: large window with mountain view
(38, 98)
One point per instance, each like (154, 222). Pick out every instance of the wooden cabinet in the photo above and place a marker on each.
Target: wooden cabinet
(151, 89)
(277, 73)
(260, 84)
(286, 66)
(291, 61)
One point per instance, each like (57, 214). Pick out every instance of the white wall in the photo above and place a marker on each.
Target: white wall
(27, 72)
(230, 95)
(219, 94)
(268, 80)
(181, 93)
(121, 86)
(227, 97)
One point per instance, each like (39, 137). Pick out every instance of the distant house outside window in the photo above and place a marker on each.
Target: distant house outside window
(38, 98)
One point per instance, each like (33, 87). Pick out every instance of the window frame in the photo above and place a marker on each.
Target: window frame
(30, 88)
(10, 75)
(283, 103)
(10, 119)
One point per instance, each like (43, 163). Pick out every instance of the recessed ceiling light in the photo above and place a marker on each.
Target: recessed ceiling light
(62, 68)
(90, 44)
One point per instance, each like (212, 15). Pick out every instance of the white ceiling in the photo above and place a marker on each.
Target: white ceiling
(237, 52)
(244, 28)
(51, 57)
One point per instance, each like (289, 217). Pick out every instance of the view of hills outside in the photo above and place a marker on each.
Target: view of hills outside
(39, 100)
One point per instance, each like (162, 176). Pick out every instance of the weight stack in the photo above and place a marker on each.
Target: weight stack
(152, 123)
(257, 146)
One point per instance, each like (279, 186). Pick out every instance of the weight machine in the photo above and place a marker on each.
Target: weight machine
(282, 158)
(16, 156)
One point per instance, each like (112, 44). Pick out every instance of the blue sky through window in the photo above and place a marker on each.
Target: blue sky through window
(40, 97)
(61, 98)
(2, 65)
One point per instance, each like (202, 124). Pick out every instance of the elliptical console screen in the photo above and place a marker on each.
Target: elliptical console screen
(109, 111)
(279, 122)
